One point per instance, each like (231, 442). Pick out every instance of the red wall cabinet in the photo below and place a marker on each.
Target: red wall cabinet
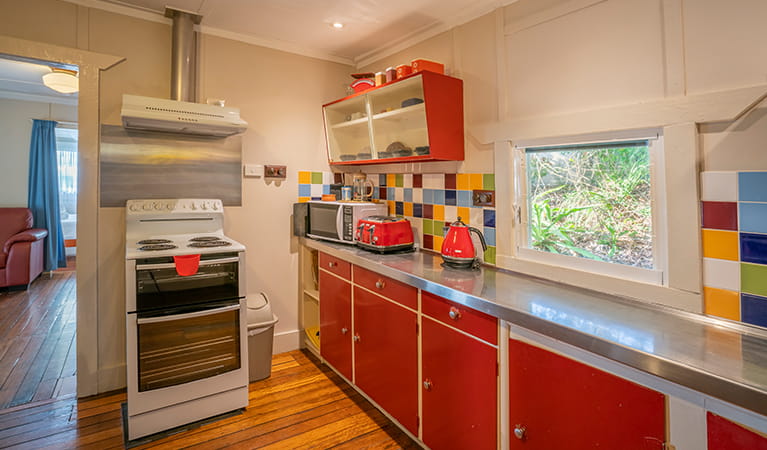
(459, 389)
(336, 322)
(726, 435)
(386, 355)
(558, 403)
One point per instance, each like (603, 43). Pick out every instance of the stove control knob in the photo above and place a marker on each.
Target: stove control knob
(157, 206)
(204, 205)
(133, 207)
(215, 206)
(192, 206)
(147, 206)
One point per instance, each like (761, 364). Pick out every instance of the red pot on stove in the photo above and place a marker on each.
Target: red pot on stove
(384, 234)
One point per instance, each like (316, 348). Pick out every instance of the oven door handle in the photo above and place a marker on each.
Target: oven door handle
(204, 262)
(190, 315)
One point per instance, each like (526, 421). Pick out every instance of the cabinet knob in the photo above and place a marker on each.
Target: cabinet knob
(427, 384)
(519, 432)
(380, 284)
(356, 338)
(332, 264)
(454, 313)
(344, 330)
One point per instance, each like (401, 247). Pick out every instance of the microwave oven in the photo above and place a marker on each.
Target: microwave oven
(332, 221)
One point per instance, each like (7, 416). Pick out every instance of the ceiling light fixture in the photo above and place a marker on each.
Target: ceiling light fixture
(338, 25)
(62, 80)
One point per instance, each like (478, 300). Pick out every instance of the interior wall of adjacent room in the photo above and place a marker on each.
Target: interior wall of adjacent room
(16, 129)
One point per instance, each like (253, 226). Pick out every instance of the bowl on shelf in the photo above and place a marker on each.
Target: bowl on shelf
(384, 154)
(411, 102)
(363, 156)
(422, 150)
(348, 157)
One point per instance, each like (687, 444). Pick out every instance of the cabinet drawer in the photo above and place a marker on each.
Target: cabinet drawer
(392, 289)
(465, 319)
(335, 265)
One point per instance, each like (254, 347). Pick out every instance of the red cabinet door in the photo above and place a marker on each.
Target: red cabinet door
(386, 355)
(558, 403)
(336, 322)
(459, 389)
(726, 435)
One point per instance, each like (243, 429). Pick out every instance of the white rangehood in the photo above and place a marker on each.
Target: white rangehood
(157, 114)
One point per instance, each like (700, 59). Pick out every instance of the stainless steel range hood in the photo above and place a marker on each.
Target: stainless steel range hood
(181, 114)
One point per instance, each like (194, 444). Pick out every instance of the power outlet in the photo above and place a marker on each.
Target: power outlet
(280, 172)
(483, 198)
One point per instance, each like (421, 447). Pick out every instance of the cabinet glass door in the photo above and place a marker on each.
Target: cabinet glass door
(398, 120)
(348, 130)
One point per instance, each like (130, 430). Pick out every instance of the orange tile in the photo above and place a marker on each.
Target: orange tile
(462, 182)
(476, 181)
(304, 177)
(391, 179)
(392, 207)
(303, 199)
(464, 213)
(721, 303)
(439, 212)
(720, 244)
(408, 209)
(438, 243)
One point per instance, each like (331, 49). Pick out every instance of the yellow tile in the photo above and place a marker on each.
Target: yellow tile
(438, 242)
(476, 181)
(464, 213)
(303, 199)
(720, 244)
(304, 177)
(392, 207)
(408, 209)
(439, 212)
(721, 303)
(462, 182)
(391, 179)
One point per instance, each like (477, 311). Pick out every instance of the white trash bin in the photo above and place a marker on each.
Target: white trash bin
(261, 322)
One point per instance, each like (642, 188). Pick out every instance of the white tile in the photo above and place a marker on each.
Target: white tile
(476, 217)
(417, 224)
(719, 186)
(316, 190)
(407, 180)
(327, 177)
(722, 274)
(434, 181)
(451, 213)
(399, 194)
(417, 195)
(374, 178)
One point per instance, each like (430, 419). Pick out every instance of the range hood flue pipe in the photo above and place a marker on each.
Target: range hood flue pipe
(183, 55)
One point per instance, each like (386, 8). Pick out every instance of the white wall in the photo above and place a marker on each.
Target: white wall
(16, 129)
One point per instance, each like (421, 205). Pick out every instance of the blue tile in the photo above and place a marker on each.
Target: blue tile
(489, 218)
(753, 217)
(399, 208)
(753, 248)
(464, 198)
(417, 210)
(376, 193)
(408, 194)
(304, 190)
(325, 189)
(450, 197)
(752, 186)
(316, 198)
(753, 309)
(382, 179)
(428, 196)
(439, 197)
(390, 193)
(489, 236)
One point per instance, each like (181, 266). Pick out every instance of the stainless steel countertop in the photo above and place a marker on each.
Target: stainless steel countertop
(715, 357)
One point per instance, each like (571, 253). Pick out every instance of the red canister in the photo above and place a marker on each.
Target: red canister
(391, 74)
(404, 70)
(424, 64)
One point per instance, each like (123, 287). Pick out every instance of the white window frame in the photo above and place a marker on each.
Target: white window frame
(525, 256)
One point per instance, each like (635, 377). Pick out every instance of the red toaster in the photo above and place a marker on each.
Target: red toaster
(384, 234)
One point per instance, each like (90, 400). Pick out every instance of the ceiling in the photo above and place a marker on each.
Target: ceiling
(372, 28)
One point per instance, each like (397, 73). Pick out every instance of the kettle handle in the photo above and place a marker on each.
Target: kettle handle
(481, 238)
(372, 187)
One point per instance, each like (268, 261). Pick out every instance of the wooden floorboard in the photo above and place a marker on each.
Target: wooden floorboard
(302, 405)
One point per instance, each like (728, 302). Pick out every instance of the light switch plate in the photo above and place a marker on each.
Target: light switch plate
(253, 170)
(271, 171)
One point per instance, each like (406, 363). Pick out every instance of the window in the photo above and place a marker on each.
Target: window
(591, 206)
(66, 155)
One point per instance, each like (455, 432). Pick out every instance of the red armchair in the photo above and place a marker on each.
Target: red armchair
(21, 254)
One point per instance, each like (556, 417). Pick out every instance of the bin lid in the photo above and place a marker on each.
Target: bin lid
(259, 309)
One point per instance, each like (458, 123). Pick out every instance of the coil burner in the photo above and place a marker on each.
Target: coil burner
(156, 247)
(153, 241)
(209, 244)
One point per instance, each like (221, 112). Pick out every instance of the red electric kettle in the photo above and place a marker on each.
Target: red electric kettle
(458, 248)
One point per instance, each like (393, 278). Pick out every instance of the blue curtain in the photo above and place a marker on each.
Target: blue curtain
(44, 191)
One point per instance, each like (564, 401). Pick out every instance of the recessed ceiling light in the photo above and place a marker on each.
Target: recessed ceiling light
(338, 25)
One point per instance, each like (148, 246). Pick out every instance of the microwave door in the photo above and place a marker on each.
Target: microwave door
(323, 221)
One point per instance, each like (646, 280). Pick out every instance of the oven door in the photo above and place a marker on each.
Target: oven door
(180, 357)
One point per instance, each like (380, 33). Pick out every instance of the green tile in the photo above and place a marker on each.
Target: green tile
(316, 177)
(399, 180)
(753, 279)
(439, 228)
(428, 225)
(490, 255)
(488, 181)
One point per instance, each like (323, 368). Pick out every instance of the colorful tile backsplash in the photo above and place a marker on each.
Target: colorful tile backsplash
(734, 236)
(429, 201)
